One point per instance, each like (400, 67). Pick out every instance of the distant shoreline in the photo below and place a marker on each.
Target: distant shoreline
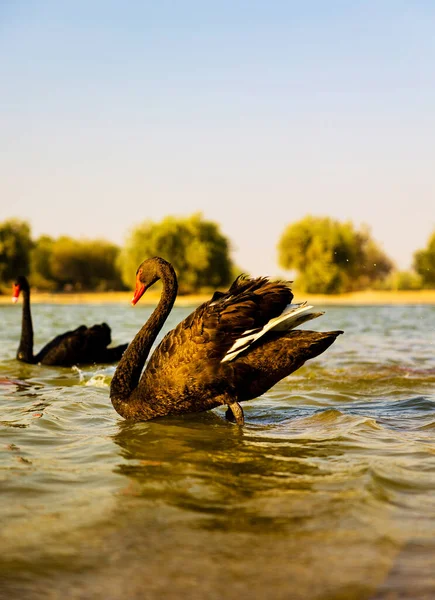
(151, 298)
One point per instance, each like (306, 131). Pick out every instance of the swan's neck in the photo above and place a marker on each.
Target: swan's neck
(129, 369)
(25, 349)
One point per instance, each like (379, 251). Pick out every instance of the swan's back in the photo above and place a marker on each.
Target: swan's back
(84, 345)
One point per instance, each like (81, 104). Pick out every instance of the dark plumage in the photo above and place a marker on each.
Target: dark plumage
(227, 351)
(84, 345)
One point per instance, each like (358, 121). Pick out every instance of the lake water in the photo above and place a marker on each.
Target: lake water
(328, 492)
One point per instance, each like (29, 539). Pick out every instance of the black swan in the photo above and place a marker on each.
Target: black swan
(84, 345)
(231, 349)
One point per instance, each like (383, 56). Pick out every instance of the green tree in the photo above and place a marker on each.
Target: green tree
(103, 271)
(330, 256)
(403, 280)
(40, 263)
(424, 263)
(85, 264)
(198, 250)
(15, 246)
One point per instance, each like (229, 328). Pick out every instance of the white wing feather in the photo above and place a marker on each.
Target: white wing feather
(291, 317)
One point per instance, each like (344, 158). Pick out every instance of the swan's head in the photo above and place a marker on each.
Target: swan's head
(147, 274)
(21, 285)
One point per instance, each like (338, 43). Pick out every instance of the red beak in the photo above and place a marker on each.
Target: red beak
(15, 292)
(138, 292)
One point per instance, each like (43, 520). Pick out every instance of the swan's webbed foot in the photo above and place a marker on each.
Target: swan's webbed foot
(234, 413)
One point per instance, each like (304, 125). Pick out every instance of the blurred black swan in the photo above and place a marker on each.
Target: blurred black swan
(231, 349)
(81, 346)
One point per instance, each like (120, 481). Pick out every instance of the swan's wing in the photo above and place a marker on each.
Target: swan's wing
(291, 317)
(229, 323)
(220, 330)
(277, 357)
(83, 345)
(209, 332)
(58, 347)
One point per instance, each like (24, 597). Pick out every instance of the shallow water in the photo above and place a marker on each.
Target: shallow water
(328, 492)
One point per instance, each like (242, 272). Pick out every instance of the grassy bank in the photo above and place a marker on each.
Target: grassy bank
(356, 298)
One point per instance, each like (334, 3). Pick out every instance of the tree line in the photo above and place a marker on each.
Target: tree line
(327, 256)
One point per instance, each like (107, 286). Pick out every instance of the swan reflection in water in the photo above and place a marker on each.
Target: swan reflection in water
(223, 474)
(268, 501)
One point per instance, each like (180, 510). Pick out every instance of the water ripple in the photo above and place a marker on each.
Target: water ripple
(333, 474)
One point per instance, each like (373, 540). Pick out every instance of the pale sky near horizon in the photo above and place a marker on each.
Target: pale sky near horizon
(254, 113)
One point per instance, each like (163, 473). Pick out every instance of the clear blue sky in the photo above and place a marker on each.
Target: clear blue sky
(255, 113)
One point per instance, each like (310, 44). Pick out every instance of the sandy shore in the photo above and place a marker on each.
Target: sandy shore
(361, 298)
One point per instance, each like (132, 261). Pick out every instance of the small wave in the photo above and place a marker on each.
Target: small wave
(410, 407)
(400, 478)
(420, 403)
(327, 424)
(427, 426)
(100, 380)
(79, 372)
(12, 424)
(8, 381)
